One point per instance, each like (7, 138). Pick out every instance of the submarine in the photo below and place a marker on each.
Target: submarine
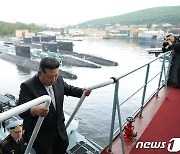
(54, 48)
(22, 57)
(49, 44)
(95, 59)
(67, 48)
(65, 60)
(49, 47)
(75, 61)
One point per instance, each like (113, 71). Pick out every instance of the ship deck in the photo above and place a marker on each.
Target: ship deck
(160, 123)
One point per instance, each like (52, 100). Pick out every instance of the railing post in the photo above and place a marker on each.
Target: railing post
(165, 76)
(112, 120)
(119, 118)
(144, 91)
(169, 65)
(115, 104)
(160, 75)
(76, 109)
(36, 130)
(168, 70)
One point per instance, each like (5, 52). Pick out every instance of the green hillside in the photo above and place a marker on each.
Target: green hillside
(148, 16)
(8, 29)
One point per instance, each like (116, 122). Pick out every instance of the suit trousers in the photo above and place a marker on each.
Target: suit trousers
(59, 146)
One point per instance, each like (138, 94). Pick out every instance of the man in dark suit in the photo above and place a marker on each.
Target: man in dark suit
(52, 137)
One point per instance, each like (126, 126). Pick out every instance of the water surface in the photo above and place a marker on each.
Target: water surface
(95, 113)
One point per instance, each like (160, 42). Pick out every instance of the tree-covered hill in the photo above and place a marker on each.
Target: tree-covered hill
(7, 28)
(156, 15)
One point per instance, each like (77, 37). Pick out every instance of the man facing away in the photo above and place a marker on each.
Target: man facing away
(52, 137)
(13, 143)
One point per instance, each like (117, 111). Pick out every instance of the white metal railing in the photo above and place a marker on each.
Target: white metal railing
(22, 108)
(116, 104)
(112, 80)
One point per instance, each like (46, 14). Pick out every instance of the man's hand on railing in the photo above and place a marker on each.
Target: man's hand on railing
(87, 92)
(39, 110)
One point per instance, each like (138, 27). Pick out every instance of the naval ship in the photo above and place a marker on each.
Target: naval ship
(152, 128)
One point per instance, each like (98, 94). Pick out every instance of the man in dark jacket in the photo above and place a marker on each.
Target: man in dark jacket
(173, 43)
(13, 143)
(52, 137)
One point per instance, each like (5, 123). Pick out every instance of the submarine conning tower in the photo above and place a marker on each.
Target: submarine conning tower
(65, 46)
(52, 47)
(23, 51)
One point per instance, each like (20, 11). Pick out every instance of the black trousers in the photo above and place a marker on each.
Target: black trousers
(59, 146)
(174, 74)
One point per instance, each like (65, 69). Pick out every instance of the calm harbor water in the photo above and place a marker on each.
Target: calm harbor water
(95, 113)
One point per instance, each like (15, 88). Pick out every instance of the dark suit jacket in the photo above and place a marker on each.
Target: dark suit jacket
(54, 121)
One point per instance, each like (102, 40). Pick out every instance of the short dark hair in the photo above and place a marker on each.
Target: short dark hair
(48, 63)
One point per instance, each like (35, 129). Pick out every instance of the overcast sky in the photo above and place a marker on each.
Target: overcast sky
(60, 12)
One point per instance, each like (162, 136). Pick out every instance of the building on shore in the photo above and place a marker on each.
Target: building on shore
(122, 32)
(23, 33)
(91, 32)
